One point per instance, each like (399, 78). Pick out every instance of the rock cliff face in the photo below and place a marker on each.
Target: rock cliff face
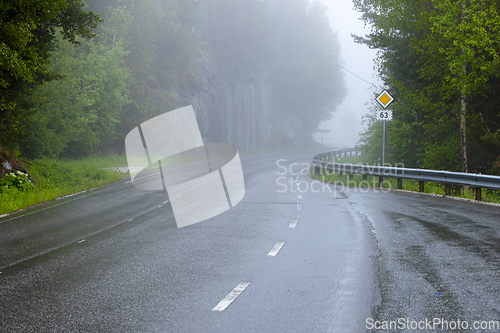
(237, 107)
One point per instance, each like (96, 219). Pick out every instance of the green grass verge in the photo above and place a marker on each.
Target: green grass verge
(349, 159)
(408, 185)
(54, 179)
(109, 161)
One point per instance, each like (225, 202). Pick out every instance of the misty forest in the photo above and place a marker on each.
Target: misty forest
(77, 78)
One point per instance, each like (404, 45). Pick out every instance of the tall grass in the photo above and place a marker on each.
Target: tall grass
(57, 178)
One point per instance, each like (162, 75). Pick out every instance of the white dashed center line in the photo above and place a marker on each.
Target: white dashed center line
(276, 249)
(83, 240)
(293, 224)
(299, 196)
(231, 297)
(299, 206)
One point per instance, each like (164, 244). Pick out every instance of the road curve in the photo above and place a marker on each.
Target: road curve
(294, 256)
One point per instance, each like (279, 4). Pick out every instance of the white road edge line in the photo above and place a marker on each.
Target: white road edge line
(276, 249)
(39, 210)
(154, 174)
(293, 224)
(231, 296)
(83, 240)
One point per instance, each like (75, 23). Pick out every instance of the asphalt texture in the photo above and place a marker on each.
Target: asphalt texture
(112, 260)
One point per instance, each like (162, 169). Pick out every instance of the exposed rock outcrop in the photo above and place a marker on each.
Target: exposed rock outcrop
(237, 107)
(8, 163)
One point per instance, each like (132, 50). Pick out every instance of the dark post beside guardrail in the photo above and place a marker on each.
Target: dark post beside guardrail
(477, 181)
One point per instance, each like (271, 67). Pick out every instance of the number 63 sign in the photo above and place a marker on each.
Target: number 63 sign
(384, 115)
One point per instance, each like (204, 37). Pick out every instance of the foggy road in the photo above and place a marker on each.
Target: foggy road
(294, 256)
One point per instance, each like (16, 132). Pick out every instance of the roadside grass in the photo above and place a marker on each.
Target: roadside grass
(109, 161)
(56, 178)
(408, 185)
(349, 159)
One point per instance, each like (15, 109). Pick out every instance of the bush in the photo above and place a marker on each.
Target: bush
(16, 180)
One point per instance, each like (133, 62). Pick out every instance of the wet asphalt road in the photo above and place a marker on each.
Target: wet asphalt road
(113, 260)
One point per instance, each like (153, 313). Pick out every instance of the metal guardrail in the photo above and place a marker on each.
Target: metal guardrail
(339, 153)
(478, 181)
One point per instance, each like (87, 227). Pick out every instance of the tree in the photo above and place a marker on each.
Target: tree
(438, 58)
(79, 111)
(240, 32)
(307, 78)
(469, 29)
(27, 36)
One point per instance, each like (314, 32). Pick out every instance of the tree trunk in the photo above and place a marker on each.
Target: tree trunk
(463, 132)
(463, 115)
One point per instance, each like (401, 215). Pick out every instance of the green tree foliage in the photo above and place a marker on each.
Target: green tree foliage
(27, 35)
(78, 111)
(439, 58)
(146, 53)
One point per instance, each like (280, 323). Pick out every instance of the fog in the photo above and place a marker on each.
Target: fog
(259, 75)
(346, 124)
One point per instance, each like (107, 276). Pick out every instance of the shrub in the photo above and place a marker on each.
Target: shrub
(16, 180)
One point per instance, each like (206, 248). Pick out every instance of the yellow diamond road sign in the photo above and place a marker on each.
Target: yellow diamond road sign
(384, 99)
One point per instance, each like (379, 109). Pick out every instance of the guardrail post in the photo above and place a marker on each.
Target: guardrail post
(365, 177)
(447, 189)
(380, 181)
(400, 184)
(317, 168)
(421, 185)
(478, 193)
(340, 172)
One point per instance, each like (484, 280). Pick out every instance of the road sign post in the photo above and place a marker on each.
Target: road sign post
(384, 99)
(322, 131)
(383, 146)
